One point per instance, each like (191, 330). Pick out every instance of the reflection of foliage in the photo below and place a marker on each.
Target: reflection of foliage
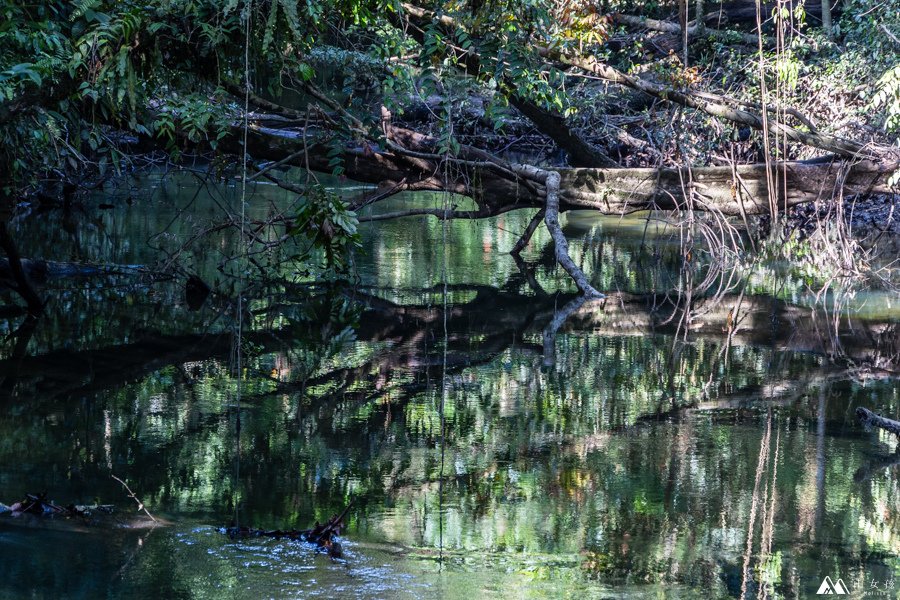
(538, 465)
(321, 328)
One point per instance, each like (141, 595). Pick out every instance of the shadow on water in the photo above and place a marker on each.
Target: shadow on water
(642, 446)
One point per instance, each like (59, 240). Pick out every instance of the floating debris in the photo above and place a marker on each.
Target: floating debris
(38, 504)
(323, 535)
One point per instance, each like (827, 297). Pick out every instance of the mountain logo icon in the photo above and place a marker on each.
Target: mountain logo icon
(838, 588)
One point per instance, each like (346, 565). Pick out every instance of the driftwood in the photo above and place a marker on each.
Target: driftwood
(39, 505)
(322, 535)
(871, 419)
(40, 271)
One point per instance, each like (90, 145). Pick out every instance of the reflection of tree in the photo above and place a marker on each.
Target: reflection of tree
(621, 452)
(491, 321)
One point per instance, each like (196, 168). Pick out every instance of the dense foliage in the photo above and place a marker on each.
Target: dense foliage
(85, 87)
(74, 74)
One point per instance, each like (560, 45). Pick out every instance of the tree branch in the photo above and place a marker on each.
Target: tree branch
(529, 231)
(693, 30)
(840, 146)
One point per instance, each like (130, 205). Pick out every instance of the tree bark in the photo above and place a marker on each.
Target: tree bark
(826, 19)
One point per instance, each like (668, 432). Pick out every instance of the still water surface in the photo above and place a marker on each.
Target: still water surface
(618, 458)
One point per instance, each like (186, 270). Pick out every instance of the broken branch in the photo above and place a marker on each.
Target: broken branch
(132, 495)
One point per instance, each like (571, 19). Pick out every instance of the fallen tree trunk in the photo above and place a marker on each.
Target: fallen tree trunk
(692, 30)
(742, 189)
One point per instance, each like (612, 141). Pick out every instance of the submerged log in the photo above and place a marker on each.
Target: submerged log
(322, 535)
(40, 271)
(36, 511)
(39, 505)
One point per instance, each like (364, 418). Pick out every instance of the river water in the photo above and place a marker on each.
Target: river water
(621, 456)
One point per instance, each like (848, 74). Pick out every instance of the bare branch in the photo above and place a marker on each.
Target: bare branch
(132, 495)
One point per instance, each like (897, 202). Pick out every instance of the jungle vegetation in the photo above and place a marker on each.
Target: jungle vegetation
(733, 109)
(450, 391)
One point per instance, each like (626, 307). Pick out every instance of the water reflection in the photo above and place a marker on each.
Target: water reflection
(642, 446)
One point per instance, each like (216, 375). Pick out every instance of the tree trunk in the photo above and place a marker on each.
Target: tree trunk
(581, 152)
(826, 19)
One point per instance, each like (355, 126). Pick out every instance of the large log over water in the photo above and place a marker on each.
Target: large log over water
(742, 189)
(731, 190)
